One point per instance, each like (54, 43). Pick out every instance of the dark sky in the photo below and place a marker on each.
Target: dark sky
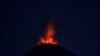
(23, 22)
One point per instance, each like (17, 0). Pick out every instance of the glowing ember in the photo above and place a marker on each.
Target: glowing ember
(49, 38)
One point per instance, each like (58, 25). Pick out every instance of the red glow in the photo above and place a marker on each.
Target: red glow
(49, 37)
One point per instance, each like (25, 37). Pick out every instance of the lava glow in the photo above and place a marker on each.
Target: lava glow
(49, 37)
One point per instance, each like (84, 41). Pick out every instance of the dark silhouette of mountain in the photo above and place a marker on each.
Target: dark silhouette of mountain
(49, 50)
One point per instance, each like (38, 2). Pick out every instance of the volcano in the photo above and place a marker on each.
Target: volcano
(49, 50)
(48, 45)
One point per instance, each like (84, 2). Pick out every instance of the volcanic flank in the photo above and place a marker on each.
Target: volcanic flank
(49, 50)
(48, 45)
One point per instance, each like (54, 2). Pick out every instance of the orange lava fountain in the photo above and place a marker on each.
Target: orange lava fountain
(49, 37)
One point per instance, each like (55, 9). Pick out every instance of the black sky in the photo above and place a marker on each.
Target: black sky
(23, 22)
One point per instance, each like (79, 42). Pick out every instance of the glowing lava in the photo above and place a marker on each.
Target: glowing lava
(49, 37)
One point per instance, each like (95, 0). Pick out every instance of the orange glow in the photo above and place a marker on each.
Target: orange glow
(49, 37)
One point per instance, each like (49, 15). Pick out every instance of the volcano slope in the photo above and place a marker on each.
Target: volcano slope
(49, 50)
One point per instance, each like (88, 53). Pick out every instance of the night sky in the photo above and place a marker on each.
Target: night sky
(23, 23)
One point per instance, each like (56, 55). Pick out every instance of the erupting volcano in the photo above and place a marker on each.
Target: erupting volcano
(49, 37)
(48, 45)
